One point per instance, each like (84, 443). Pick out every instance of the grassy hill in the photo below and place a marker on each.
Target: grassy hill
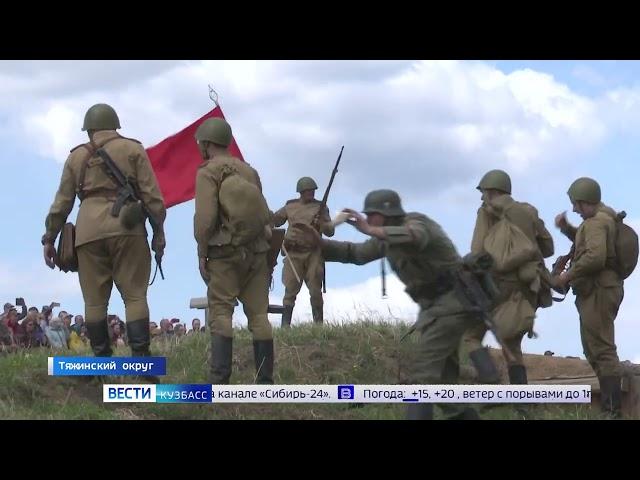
(362, 353)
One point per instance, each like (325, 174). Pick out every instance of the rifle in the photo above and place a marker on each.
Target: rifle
(316, 219)
(562, 264)
(475, 289)
(129, 191)
(480, 304)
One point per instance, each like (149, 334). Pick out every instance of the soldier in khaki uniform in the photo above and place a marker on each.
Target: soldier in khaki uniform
(516, 294)
(596, 284)
(306, 259)
(426, 261)
(233, 269)
(108, 251)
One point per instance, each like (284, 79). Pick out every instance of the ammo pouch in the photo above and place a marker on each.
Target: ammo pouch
(67, 257)
(132, 214)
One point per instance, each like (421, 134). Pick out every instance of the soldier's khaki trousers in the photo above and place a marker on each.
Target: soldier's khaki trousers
(437, 360)
(518, 323)
(310, 268)
(598, 311)
(238, 274)
(123, 260)
(472, 340)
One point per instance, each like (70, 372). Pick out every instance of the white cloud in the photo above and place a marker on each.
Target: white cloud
(444, 121)
(60, 122)
(361, 301)
(589, 75)
(355, 303)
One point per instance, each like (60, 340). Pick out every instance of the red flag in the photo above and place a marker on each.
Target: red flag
(176, 159)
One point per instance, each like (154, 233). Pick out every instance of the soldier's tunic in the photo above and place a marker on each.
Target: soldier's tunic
(514, 288)
(306, 258)
(237, 272)
(425, 260)
(598, 288)
(108, 252)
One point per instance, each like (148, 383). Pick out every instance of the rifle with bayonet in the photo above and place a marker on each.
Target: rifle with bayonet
(323, 205)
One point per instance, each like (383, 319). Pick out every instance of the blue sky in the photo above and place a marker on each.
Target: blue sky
(426, 129)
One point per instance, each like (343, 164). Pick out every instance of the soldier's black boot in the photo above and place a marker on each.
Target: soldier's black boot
(518, 375)
(420, 411)
(263, 357)
(286, 316)
(221, 357)
(100, 344)
(139, 339)
(317, 312)
(482, 361)
(611, 396)
(99, 338)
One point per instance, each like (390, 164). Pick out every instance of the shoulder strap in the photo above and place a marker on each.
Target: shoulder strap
(85, 163)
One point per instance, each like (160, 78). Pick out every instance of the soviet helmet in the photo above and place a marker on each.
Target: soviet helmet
(101, 117)
(585, 189)
(215, 130)
(496, 180)
(306, 183)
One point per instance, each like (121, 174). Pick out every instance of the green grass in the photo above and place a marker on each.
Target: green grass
(358, 353)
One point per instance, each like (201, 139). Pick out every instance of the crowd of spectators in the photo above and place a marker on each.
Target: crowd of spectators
(35, 328)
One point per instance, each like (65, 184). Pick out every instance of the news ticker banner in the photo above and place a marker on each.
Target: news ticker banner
(199, 393)
(65, 366)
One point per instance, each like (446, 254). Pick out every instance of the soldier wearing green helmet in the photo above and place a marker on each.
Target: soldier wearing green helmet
(596, 284)
(303, 262)
(109, 249)
(232, 262)
(522, 290)
(427, 262)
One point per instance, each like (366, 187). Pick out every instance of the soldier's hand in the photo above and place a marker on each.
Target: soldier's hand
(50, 255)
(203, 270)
(561, 220)
(158, 244)
(357, 220)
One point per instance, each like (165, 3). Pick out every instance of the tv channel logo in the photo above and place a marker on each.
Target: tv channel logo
(346, 392)
(129, 393)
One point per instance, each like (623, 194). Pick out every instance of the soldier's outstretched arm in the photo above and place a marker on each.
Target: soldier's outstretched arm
(413, 232)
(355, 253)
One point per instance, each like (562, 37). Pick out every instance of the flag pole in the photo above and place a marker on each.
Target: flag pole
(213, 95)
